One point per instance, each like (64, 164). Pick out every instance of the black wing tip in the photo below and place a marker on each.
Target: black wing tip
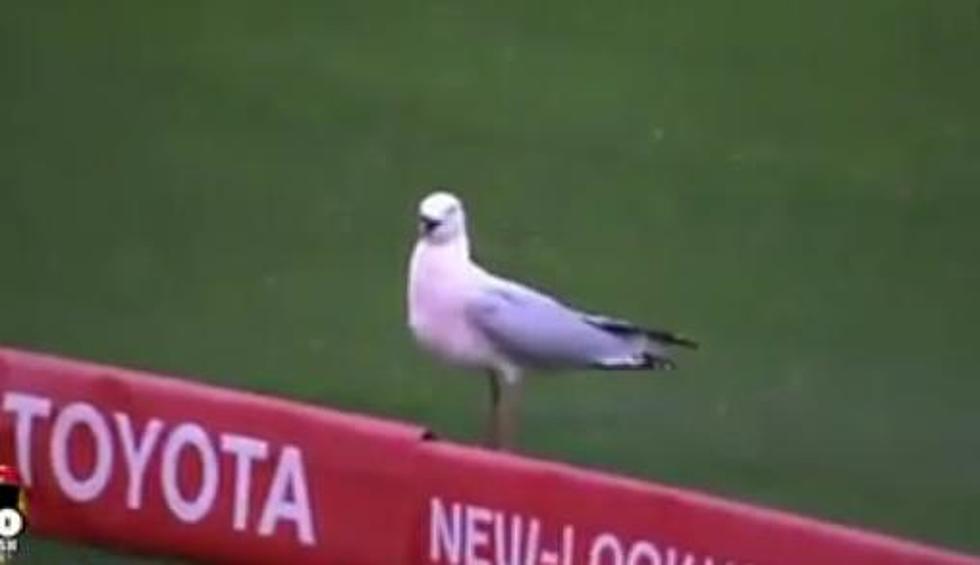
(684, 341)
(622, 327)
(671, 338)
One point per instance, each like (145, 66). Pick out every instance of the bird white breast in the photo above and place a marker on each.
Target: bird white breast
(438, 285)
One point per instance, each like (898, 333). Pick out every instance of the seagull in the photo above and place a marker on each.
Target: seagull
(470, 318)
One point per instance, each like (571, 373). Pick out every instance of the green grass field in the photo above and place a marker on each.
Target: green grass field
(228, 190)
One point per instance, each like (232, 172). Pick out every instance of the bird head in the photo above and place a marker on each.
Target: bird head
(441, 218)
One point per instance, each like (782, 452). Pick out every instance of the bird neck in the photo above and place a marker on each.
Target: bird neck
(437, 265)
(462, 246)
(458, 249)
(453, 252)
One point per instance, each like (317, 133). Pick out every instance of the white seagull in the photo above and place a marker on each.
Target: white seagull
(471, 318)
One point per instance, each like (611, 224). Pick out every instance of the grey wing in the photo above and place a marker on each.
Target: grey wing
(535, 330)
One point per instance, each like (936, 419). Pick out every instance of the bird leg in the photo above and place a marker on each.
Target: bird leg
(505, 396)
(493, 427)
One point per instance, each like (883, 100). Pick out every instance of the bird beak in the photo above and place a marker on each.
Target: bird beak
(426, 225)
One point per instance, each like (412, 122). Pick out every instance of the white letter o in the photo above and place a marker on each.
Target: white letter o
(189, 435)
(11, 523)
(646, 551)
(75, 414)
(606, 543)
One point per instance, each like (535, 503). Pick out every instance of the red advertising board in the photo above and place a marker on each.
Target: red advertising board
(126, 459)
(144, 463)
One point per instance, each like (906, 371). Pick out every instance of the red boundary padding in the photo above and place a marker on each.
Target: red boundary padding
(134, 461)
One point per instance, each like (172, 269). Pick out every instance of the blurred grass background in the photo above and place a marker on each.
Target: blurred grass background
(228, 190)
